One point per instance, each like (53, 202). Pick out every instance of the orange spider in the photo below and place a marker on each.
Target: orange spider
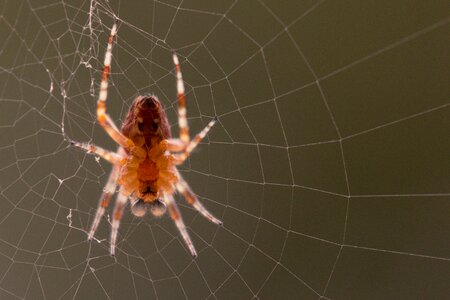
(143, 166)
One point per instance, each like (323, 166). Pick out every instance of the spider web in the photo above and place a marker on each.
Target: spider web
(329, 165)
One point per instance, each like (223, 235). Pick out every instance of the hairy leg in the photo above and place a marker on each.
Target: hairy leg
(110, 156)
(176, 217)
(105, 199)
(182, 120)
(181, 157)
(184, 188)
(104, 119)
(121, 201)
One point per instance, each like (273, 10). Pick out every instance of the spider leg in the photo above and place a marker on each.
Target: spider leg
(175, 145)
(182, 121)
(184, 188)
(176, 217)
(104, 119)
(181, 157)
(105, 198)
(117, 216)
(110, 156)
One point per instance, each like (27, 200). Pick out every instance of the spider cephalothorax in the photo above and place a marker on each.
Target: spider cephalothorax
(145, 120)
(145, 165)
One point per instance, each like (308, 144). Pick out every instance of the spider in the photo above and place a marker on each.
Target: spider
(144, 166)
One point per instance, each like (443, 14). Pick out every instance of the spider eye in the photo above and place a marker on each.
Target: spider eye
(139, 208)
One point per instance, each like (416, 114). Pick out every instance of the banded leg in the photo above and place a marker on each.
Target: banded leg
(182, 120)
(181, 157)
(184, 188)
(104, 119)
(175, 145)
(176, 217)
(105, 198)
(121, 201)
(110, 156)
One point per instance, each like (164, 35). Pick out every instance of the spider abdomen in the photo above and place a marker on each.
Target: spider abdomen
(147, 172)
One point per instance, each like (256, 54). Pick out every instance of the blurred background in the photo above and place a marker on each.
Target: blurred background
(329, 165)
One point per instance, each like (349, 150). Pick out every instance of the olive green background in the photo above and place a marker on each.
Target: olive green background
(330, 163)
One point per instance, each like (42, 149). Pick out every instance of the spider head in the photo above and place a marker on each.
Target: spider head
(147, 118)
(148, 103)
(139, 208)
(148, 111)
